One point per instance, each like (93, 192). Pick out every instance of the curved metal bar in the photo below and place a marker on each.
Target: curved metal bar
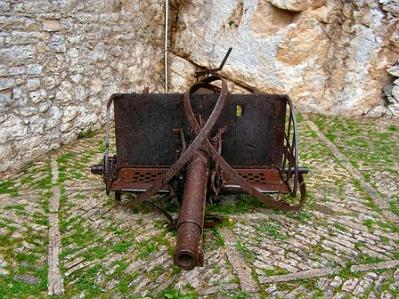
(294, 145)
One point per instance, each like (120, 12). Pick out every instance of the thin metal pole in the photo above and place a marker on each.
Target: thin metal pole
(166, 44)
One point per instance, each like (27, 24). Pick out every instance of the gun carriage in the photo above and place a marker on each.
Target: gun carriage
(198, 145)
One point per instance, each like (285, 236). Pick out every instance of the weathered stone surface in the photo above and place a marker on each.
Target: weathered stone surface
(34, 69)
(388, 90)
(292, 5)
(51, 25)
(17, 70)
(5, 97)
(56, 56)
(329, 56)
(337, 282)
(395, 91)
(28, 279)
(6, 83)
(305, 40)
(3, 71)
(387, 295)
(54, 116)
(394, 70)
(33, 84)
(391, 6)
(378, 111)
(5, 151)
(12, 128)
(57, 43)
(181, 73)
(38, 96)
(268, 20)
(17, 55)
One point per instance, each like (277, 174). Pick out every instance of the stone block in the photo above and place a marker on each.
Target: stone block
(17, 55)
(51, 25)
(54, 117)
(3, 71)
(5, 97)
(21, 38)
(44, 106)
(4, 5)
(5, 151)
(38, 96)
(34, 69)
(11, 129)
(57, 43)
(395, 92)
(17, 70)
(33, 84)
(394, 70)
(7, 83)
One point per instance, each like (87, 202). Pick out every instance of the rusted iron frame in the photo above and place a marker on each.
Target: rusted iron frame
(290, 150)
(202, 141)
(287, 128)
(285, 172)
(294, 143)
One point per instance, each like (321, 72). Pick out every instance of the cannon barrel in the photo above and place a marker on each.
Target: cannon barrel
(188, 252)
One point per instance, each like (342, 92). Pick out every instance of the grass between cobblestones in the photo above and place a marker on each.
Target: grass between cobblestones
(108, 251)
(23, 233)
(372, 147)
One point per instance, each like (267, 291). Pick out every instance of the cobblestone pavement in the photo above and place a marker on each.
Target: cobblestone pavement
(55, 216)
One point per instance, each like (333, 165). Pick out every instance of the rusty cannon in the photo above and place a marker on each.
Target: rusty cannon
(198, 145)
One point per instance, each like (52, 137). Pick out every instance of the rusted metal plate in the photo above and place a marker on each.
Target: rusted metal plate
(264, 179)
(144, 127)
(137, 179)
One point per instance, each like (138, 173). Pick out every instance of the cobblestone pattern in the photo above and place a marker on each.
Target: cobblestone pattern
(23, 230)
(339, 246)
(372, 147)
(61, 60)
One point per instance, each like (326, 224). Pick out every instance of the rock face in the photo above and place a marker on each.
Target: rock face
(330, 56)
(61, 60)
(391, 91)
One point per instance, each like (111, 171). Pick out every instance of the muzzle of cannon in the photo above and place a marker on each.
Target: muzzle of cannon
(206, 142)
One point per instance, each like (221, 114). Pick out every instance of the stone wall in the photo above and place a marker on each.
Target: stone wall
(330, 56)
(61, 60)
